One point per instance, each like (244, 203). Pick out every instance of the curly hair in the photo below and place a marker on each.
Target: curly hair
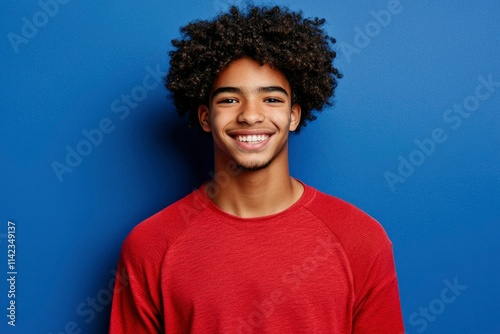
(296, 46)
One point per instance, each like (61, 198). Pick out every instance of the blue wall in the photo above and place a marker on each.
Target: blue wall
(413, 140)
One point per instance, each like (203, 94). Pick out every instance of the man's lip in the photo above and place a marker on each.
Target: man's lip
(250, 132)
(251, 146)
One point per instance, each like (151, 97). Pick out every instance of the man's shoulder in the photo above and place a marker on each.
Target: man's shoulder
(353, 227)
(156, 232)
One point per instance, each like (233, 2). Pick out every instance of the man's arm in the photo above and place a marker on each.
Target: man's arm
(136, 297)
(377, 307)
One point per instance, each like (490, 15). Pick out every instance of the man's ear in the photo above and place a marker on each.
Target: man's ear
(203, 118)
(295, 117)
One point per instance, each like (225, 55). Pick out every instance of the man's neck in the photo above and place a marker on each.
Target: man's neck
(259, 193)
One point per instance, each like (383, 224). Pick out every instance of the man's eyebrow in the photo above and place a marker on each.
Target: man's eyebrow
(270, 89)
(265, 89)
(225, 90)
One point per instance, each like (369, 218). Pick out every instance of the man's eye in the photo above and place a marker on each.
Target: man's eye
(273, 100)
(228, 100)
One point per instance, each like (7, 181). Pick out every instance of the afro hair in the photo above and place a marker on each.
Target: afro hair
(296, 46)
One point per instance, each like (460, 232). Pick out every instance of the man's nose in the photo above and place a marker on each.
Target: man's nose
(250, 113)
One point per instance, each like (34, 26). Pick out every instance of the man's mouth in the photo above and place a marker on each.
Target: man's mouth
(252, 138)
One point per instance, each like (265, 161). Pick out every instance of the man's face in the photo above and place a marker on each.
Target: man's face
(250, 114)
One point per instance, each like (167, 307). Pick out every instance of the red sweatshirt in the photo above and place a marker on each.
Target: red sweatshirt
(321, 266)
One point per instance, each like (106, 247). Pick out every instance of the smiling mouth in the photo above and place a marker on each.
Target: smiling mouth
(252, 139)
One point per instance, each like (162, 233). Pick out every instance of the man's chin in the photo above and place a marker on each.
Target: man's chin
(252, 167)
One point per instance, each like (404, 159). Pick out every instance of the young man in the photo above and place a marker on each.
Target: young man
(255, 250)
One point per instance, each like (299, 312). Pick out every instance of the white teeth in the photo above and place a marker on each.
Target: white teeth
(252, 138)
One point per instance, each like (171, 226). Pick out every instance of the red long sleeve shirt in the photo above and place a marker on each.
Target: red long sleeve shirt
(321, 266)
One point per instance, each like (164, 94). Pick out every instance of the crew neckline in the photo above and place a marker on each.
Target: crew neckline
(306, 196)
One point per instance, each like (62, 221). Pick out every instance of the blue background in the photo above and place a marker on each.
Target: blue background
(401, 78)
